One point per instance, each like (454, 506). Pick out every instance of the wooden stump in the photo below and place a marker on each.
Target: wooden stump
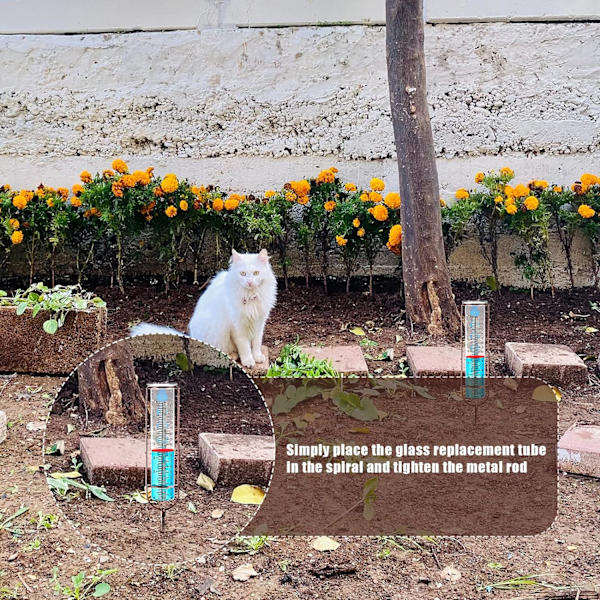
(108, 386)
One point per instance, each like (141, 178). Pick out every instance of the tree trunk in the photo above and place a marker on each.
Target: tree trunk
(108, 386)
(427, 287)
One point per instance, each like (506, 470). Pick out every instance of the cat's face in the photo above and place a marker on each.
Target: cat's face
(250, 270)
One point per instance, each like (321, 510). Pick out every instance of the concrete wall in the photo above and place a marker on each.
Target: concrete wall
(252, 108)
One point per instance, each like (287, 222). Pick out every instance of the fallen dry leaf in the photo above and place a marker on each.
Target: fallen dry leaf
(247, 494)
(244, 572)
(217, 513)
(205, 482)
(451, 574)
(325, 544)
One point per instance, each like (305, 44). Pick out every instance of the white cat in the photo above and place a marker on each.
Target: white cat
(232, 312)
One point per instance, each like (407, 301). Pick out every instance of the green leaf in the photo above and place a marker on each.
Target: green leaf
(358, 331)
(192, 507)
(182, 362)
(492, 283)
(21, 308)
(36, 310)
(101, 589)
(100, 493)
(50, 326)
(80, 304)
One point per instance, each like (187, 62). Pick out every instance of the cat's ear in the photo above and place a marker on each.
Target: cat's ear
(235, 256)
(263, 256)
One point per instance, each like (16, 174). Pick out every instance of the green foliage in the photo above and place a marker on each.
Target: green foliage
(292, 362)
(66, 488)
(82, 586)
(249, 544)
(57, 302)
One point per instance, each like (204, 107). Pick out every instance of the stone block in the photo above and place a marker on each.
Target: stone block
(114, 461)
(345, 359)
(554, 363)
(579, 450)
(427, 361)
(233, 459)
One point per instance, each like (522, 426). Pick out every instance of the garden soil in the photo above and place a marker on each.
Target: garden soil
(289, 568)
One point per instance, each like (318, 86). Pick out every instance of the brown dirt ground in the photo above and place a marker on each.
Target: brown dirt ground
(567, 553)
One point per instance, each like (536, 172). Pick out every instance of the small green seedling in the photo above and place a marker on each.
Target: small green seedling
(250, 544)
(62, 486)
(292, 362)
(82, 586)
(35, 544)
(172, 572)
(45, 521)
(7, 524)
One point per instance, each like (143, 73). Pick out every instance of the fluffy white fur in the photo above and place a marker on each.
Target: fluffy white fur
(232, 312)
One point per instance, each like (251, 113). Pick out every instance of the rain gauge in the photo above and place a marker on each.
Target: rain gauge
(474, 347)
(162, 444)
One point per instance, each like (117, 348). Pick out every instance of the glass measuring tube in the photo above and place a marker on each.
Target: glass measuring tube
(474, 349)
(162, 440)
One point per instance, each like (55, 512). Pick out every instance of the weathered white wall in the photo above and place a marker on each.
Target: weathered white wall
(251, 108)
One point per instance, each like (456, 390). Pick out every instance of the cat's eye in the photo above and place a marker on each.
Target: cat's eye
(243, 273)
(255, 273)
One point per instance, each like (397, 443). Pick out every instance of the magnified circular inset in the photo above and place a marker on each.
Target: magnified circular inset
(160, 449)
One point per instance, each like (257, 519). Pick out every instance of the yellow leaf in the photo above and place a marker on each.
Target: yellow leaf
(205, 482)
(69, 475)
(358, 331)
(360, 430)
(325, 544)
(545, 393)
(591, 330)
(247, 494)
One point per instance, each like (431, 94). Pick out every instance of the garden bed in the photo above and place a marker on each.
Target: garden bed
(31, 350)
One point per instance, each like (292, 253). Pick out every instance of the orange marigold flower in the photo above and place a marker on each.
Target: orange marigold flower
(141, 177)
(326, 176)
(170, 183)
(520, 191)
(107, 174)
(19, 202)
(290, 196)
(356, 222)
(350, 187)
(76, 201)
(329, 205)
(509, 191)
(150, 171)
(183, 205)
(442, 202)
(461, 194)
(587, 180)
(557, 188)
(379, 212)
(27, 194)
(479, 177)
(333, 169)
(540, 183)
(498, 200)
(85, 176)
(63, 192)
(158, 192)
(14, 224)
(507, 171)
(218, 204)
(341, 241)
(303, 200)
(361, 232)
(16, 237)
(377, 185)
(586, 211)
(120, 166)
(117, 189)
(375, 197)
(232, 202)
(77, 189)
(392, 200)
(170, 211)
(364, 197)
(50, 202)
(394, 242)
(511, 209)
(531, 203)
(128, 181)
(302, 187)
(270, 193)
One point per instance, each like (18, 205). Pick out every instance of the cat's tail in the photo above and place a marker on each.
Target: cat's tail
(148, 328)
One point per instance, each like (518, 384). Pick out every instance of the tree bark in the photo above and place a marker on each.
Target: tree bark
(427, 287)
(108, 386)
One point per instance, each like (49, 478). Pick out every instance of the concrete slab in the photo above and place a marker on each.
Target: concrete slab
(554, 363)
(3, 426)
(579, 450)
(430, 361)
(114, 461)
(233, 459)
(345, 359)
